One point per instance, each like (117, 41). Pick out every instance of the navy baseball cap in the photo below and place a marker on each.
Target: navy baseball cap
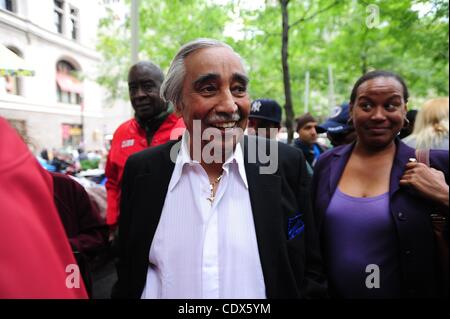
(266, 109)
(337, 122)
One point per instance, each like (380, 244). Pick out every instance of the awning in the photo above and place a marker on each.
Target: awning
(68, 83)
(12, 64)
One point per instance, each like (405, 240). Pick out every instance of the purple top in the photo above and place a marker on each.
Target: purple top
(358, 232)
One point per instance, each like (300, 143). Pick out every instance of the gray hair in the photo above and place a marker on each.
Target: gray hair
(172, 87)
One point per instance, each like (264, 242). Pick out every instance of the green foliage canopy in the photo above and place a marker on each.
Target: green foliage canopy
(409, 38)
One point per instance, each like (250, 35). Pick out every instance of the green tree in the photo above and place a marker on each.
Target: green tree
(409, 37)
(404, 39)
(163, 27)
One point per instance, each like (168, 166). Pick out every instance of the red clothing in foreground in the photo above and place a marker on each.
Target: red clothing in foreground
(128, 139)
(34, 250)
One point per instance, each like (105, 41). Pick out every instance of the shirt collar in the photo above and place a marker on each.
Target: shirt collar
(184, 158)
(238, 158)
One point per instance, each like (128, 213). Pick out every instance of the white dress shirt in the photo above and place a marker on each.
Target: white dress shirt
(204, 250)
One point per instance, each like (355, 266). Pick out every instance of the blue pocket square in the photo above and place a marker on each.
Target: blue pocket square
(295, 226)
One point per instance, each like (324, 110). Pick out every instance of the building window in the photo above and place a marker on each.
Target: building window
(58, 12)
(9, 5)
(13, 82)
(74, 23)
(72, 135)
(12, 85)
(68, 87)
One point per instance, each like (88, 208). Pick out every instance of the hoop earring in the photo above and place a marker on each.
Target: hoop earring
(405, 122)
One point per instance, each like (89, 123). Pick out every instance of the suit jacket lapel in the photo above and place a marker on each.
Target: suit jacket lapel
(337, 167)
(265, 194)
(152, 190)
(403, 153)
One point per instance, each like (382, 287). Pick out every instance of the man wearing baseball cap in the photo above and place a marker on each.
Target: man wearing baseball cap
(265, 118)
(337, 126)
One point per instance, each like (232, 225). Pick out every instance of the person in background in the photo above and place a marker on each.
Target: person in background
(44, 154)
(411, 120)
(373, 208)
(59, 161)
(431, 127)
(154, 123)
(307, 140)
(265, 118)
(87, 232)
(35, 256)
(338, 130)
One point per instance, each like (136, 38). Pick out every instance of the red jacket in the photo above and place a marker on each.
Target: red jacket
(34, 250)
(128, 139)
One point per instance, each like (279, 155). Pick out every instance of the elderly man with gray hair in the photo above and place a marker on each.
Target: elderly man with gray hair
(199, 219)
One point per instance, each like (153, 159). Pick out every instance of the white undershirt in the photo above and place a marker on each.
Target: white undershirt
(201, 250)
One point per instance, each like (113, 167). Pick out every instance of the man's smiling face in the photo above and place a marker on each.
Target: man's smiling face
(215, 93)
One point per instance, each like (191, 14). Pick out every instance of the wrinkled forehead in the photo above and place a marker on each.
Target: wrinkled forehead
(214, 60)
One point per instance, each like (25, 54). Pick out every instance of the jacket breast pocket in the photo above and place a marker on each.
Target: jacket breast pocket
(295, 226)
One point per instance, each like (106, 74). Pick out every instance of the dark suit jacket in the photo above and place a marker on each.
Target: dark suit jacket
(291, 268)
(410, 213)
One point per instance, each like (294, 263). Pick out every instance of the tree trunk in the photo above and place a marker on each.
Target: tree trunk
(364, 62)
(288, 108)
(364, 52)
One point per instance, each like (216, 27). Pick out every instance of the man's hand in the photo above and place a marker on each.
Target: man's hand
(429, 182)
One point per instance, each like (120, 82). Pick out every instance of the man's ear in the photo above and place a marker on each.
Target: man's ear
(179, 109)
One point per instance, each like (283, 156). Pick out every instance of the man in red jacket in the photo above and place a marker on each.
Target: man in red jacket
(154, 123)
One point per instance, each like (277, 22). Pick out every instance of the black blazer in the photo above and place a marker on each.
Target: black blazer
(292, 268)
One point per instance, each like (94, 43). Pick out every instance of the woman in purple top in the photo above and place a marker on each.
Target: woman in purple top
(373, 207)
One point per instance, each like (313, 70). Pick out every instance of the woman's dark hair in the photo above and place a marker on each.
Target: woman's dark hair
(379, 74)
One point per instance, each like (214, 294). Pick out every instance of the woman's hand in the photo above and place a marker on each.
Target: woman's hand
(429, 182)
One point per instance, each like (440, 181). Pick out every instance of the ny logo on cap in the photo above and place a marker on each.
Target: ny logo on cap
(336, 111)
(255, 106)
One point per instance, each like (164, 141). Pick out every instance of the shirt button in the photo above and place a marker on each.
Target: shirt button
(401, 216)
